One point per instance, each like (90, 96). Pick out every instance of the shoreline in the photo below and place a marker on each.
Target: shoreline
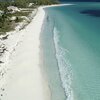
(25, 79)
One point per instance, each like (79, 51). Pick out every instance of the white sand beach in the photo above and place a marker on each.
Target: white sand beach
(24, 79)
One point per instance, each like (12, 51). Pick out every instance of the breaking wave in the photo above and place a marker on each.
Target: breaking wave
(64, 66)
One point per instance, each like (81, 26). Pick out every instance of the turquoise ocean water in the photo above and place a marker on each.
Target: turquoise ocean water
(70, 42)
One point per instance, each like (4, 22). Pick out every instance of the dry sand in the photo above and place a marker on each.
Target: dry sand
(25, 80)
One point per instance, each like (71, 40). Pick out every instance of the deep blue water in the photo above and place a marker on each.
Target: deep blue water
(71, 51)
(79, 0)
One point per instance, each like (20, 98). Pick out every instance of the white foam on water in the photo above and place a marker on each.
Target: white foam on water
(64, 66)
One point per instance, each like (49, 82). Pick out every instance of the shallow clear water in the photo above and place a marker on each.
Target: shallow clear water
(71, 51)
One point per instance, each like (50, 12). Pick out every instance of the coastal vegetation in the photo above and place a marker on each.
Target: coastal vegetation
(6, 23)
